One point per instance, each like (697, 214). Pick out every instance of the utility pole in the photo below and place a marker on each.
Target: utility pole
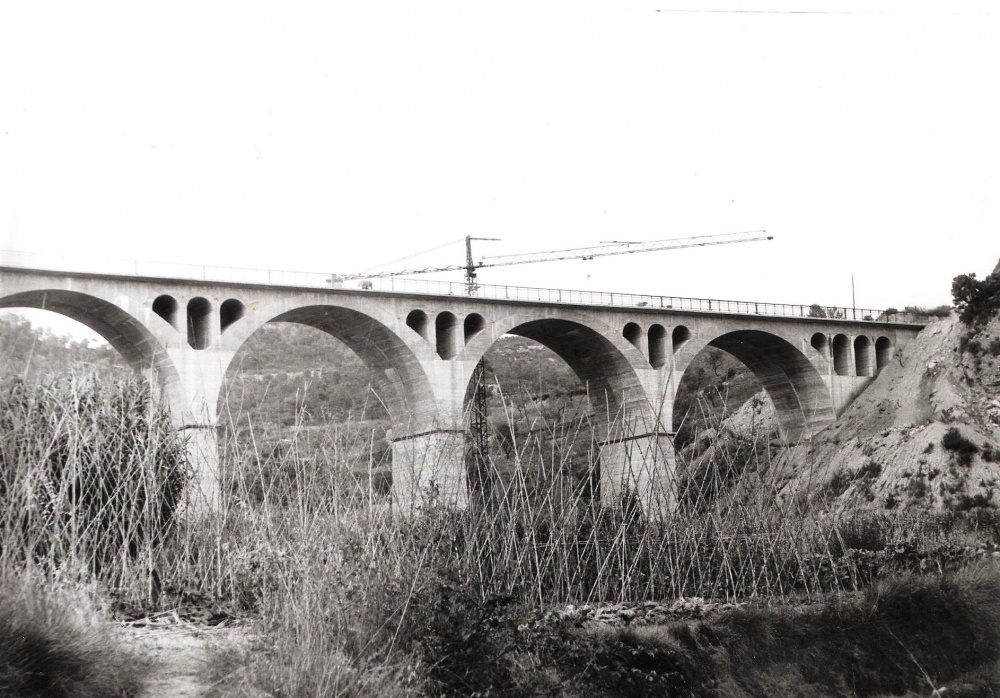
(854, 304)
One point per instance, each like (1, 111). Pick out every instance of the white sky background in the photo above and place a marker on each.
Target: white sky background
(336, 136)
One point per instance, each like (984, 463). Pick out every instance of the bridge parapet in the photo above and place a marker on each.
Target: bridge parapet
(318, 280)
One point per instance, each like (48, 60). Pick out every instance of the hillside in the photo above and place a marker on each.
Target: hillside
(28, 351)
(924, 436)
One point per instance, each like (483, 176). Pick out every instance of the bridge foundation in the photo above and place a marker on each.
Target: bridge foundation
(205, 491)
(428, 468)
(195, 413)
(639, 469)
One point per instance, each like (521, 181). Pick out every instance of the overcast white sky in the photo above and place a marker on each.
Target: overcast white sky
(336, 136)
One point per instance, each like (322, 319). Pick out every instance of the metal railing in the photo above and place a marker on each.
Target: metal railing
(318, 280)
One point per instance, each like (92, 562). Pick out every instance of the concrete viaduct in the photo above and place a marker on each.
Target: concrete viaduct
(422, 348)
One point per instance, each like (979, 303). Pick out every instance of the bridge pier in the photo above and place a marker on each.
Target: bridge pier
(639, 468)
(428, 468)
(195, 415)
(205, 492)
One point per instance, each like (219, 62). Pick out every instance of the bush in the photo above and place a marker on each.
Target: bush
(938, 311)
(90, 473)
(968, 345)
(917, 488)
(839, 483)
(964, 450)
(892, 640)
(977, 501)
(871, 469)
(862, 533)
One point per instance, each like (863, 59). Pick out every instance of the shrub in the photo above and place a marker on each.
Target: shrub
(964, 450)
(839, 483)
(937, 311)
(869, 532)
(977, 501)
(889, 641)
(871, 469)
(817, 311)
(968, 345)
(989, 453)
(89, 473)
(917, 488)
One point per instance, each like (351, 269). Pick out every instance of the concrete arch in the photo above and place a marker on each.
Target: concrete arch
(399, 379)
(884, 352)
(167, 307)
(656, 341)
(636, 456)
(841, 347)
(801, 399)
(603, 360)
(199, 323)
(129, 337)
(863, 359)
(446, 334)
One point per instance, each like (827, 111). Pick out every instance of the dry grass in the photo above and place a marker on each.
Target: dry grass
(352, 599)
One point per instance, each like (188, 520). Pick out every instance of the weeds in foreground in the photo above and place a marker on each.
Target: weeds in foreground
(355, 599)
(54, 643)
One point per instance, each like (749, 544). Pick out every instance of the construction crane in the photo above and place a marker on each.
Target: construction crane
(583, 253)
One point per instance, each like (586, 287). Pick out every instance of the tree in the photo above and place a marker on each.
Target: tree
(816, 310)
(976, 301)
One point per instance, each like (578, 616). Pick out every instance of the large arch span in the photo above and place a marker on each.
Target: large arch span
(613, 386)
(802, 401)
(400, 380)
(635, 453)
(129, 337)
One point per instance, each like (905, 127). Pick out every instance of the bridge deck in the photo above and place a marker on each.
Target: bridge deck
(21, 261)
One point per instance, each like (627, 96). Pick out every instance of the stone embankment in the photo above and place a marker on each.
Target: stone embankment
(637, 614)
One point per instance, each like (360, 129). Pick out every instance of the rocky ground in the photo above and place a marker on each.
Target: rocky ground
(924, 436)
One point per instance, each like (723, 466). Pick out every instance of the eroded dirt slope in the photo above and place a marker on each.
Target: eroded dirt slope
(925, 434)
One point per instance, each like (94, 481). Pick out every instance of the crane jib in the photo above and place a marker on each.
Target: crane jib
(583, 253)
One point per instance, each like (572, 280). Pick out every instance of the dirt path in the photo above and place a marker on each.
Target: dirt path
(180, 653)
